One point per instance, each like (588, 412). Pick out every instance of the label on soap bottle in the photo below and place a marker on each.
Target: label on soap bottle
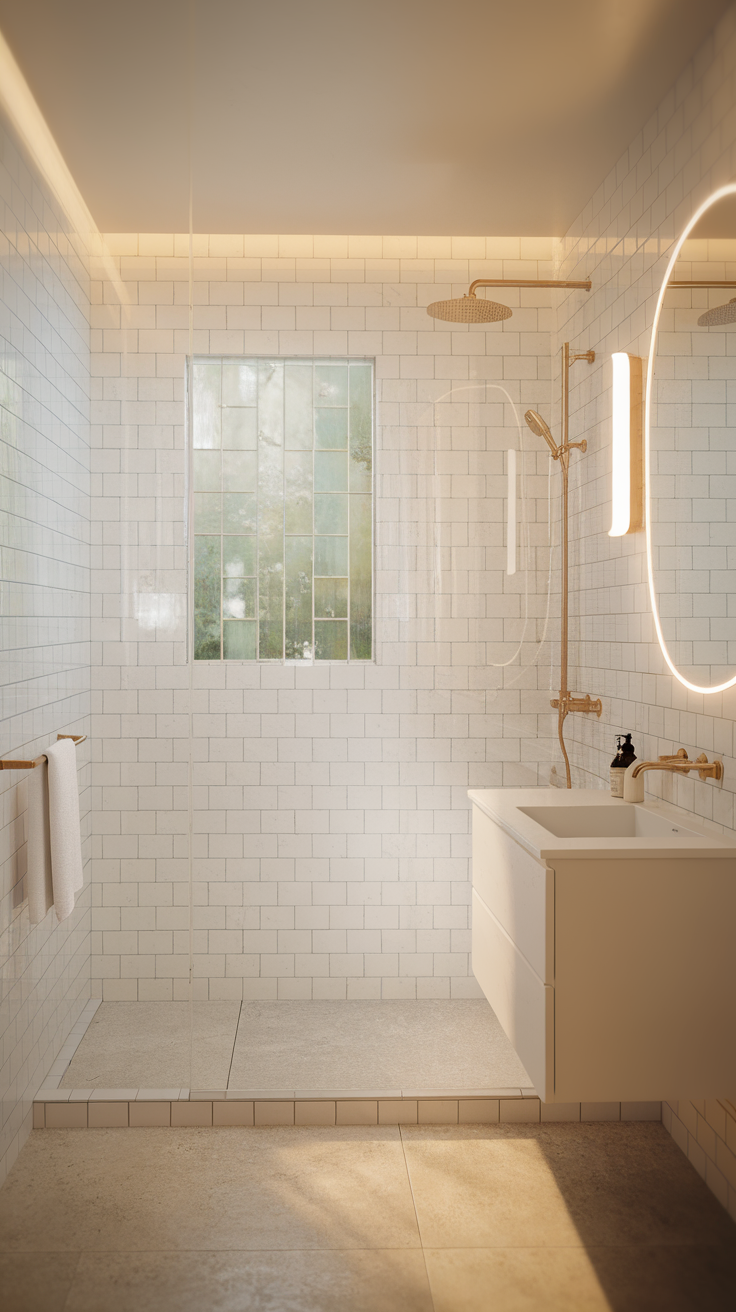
(617, 782)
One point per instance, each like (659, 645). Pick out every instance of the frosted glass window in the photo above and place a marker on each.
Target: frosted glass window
(283, 510)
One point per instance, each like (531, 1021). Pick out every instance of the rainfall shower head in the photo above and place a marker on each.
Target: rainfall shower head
(719, 315)
(469, 309)
(540, 429)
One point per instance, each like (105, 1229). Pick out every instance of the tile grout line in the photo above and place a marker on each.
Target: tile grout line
(80, 1255)
(416, 1216)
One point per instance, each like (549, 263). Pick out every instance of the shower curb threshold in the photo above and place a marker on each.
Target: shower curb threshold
(55, 1108)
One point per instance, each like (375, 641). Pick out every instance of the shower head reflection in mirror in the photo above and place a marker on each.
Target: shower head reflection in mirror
(678, 654)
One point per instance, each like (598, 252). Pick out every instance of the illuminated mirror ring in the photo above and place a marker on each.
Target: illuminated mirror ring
(729, 190)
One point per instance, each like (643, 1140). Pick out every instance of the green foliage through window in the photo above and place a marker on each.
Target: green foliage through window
(283, 515)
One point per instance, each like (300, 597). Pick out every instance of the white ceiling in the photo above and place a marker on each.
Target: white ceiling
(332, 116)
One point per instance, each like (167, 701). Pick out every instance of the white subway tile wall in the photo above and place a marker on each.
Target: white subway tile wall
(622, 241)
(331, 843)
(44, 527)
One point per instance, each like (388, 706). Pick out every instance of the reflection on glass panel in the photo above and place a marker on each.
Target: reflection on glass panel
(298, 406)
(330, 640)
(360, 577)
(298, 491)
(207, 508)
(207, 599)
(331, 429)
(283, 509)
(206, 465)
(239, 471)
(206, 396)
(238, 557)
(240, 429)
(239, 382)
(330, 384)
(239, 640)
(239, 512)
(331, 556)
(298, 607)
(330, 513)
(361, 428)
(330, 471)
(331, 599)
(239, 599)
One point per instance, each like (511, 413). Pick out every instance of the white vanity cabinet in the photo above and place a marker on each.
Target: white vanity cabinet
(609, 959)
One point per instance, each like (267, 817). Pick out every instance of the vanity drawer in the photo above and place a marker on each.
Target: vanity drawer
(523, 1004)
(518, 890)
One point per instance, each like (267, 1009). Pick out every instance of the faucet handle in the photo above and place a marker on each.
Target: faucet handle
(681, 755)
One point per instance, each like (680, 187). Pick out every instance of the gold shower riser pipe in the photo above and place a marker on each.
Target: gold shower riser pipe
(699, 282)
(528, 282)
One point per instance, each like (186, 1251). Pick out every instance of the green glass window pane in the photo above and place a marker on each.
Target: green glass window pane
(239, 599)
(331, 556)
(238, 513)
(238, 557)
(361, 427)
(331, 513)
(239, 471)
(330, 384)
(298, 491)
(239, 382)
(361, 525)
(330, 471)
(330, 640)
(206, 598)
(206, 466)
(331, 429)
(240, 429)
(206, 390)
(331, 598)
(271, 401)
(298, 598)
(207, 508)
(298, 406)
(239, 640)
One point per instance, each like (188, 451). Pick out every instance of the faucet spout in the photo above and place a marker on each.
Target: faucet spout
(678, 764)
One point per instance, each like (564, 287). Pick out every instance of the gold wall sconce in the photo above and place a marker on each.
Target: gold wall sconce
(627, 500)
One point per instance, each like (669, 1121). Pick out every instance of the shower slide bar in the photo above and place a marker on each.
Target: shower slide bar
(31, 765)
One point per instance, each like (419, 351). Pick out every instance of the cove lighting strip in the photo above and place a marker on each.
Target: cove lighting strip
(729, 190)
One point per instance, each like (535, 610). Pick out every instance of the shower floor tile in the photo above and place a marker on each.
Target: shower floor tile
(432, 1046)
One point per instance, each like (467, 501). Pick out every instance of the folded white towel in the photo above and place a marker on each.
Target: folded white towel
(66, 843)
(38, 873)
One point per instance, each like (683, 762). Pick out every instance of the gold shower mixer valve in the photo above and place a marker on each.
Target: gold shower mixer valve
(587, 704)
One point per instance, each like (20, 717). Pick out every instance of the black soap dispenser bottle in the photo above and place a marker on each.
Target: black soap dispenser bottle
(625, 754)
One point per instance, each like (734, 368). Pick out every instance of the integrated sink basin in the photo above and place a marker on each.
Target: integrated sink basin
(623, 821)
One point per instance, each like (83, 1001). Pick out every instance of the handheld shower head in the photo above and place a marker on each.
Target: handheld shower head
(540, 429)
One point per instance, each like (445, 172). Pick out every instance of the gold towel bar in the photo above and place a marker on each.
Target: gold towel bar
(29, 765)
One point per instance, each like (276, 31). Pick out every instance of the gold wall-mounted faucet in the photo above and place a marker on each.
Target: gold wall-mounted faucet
(678, 764)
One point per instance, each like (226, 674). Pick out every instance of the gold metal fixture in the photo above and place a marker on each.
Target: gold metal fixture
(473, 309)
(680, 764)
(31, 765)
(566, 702)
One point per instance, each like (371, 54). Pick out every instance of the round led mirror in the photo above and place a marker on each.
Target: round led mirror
(690, 447)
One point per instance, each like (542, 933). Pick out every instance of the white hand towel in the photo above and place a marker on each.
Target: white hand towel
(66, 843)
(38, 873)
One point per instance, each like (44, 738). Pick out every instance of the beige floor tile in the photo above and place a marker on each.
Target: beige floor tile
(296, 1281)
(550, 1185)
(414, 1045)
(206, 1189)
(514, 1280)
(36, 1282)
(147, 1044)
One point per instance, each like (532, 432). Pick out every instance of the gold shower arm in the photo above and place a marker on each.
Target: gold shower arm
(527, 282)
